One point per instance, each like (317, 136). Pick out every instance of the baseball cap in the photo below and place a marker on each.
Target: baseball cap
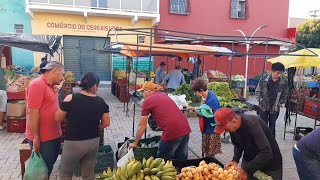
(149, 86)
(52, 64)
(223, 116)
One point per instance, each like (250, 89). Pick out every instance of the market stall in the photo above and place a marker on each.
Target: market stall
(303, 97)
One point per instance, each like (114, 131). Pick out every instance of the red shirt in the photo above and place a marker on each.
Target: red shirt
(167, 115)
(41, 95)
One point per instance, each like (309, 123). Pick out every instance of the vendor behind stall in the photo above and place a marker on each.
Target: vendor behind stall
(174, 79)
(169, 118)
(251, 137)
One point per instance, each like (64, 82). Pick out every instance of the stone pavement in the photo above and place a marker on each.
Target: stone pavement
(121, 126)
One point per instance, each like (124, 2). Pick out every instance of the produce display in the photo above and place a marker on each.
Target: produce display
(216, 74)
(17, 68)
(120, 74)
(238, 78)
(222, 90)
(149, 169)
(148, 145)
(206, 171)
(232, 104)
(18, 83)
(190, 96)
(69, 77)
(262, 176)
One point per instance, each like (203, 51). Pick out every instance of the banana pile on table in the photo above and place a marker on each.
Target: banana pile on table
(149, 169)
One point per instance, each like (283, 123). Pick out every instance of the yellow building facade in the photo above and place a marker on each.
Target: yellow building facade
(85, 29)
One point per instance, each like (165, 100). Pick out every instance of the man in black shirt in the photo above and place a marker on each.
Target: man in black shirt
(251, 137)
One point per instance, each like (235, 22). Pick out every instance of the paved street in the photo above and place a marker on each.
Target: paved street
(121, 126)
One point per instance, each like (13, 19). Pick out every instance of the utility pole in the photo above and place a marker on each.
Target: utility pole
(314, 13)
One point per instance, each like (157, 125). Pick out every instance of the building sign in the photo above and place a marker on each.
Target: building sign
(80, 27)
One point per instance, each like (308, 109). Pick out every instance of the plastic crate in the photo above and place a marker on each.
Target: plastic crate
(237, 84)
(194, 162)
(104, 160)
(311, 109)
(15, 125)
(253, 82)
(146, 152)
(16, 96)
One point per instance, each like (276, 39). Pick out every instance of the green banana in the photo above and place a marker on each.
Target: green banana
(147, 178)
(134, 177)
(154, 177)
(149, 162)
(154, 171)
(167, 178)
(159, 174)
(169, 169)
(146, 171)
(173, 174)
(156, 163)
(124, 171)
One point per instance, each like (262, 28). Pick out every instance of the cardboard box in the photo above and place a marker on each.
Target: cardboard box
(16, 110)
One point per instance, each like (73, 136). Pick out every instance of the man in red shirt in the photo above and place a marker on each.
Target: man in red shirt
(175, 126)
(43, 131)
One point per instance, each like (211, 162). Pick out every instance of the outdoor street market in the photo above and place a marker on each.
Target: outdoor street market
(159, 90)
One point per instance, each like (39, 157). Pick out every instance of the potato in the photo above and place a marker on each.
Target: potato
(202, 163)
(220, 170)
(184, 174)
(188, 169)
(205, 170)
(200, 169)
(221, 176)
(215, 174)
(194, 171)
(184, 169)
(189, 174)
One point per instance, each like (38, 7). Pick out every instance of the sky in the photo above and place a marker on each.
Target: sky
(301, 8)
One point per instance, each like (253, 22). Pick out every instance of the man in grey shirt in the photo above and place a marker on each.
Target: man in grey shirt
(174, 79)
(160, 73)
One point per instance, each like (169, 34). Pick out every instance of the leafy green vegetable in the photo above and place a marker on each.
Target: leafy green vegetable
(186, 89)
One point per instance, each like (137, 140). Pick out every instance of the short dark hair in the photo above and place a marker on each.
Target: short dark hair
(89, 80)
(199, 84)
(277, 67)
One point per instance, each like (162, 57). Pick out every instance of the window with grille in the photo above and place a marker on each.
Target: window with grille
(18, 28)
(141, 39)
(238, 9)
(179, 7)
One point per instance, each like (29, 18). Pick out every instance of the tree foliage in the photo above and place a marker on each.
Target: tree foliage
(308, 34)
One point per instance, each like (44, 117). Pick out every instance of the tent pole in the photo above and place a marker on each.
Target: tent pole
(231, 61)
(265, 56)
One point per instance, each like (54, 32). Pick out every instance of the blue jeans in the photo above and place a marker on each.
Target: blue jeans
(308, 168)
(270, 119)
(49, 151)
(174, 149)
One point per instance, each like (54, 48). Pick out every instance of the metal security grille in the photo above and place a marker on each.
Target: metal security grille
(179, 7)
(80, 56)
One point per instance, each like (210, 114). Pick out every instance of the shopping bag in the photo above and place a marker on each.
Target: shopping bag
(201, 123)
(126, 158)
(37, 168)
(123, 150)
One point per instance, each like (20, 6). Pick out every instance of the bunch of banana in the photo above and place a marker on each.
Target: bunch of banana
(158, 169)
(129, 171)
(106, 175)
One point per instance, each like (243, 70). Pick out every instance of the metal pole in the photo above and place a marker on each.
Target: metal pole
(231, 61)
(150, 54)
(265, 57)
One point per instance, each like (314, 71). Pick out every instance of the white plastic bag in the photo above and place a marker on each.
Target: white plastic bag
(123, 150)
(126, 158)
(179, 100)
(132, 77)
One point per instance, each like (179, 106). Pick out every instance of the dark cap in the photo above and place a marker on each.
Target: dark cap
(52, 64)
(223, 116)
(162, 64)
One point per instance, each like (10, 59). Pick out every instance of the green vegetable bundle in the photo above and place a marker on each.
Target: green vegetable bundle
(186, 89)
(222, 90)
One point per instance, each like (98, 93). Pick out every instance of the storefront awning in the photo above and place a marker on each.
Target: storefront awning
(181, 50)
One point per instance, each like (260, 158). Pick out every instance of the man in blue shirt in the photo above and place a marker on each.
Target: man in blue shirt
(160, 73)
(174, 79)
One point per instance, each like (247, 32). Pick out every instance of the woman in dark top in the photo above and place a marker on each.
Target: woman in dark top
(86, 113)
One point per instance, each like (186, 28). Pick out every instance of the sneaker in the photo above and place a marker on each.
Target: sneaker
(1, 127)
